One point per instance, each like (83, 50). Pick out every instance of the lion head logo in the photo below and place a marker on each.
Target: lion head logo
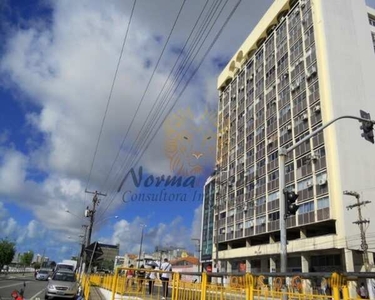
(190, 141)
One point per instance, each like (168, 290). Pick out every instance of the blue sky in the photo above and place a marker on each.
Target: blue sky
(57, 62)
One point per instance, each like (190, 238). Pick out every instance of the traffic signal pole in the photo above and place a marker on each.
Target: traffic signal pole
(283, 152)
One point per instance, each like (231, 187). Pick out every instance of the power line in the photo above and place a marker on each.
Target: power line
(124, 164)
(125, 161)
(168, 94)
(179, 71)
(110, 95)
(182, 91)
(146, 89)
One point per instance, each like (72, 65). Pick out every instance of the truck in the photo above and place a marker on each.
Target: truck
(67, 264)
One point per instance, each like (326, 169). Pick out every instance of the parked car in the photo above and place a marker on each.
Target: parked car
(42, 275)
(62, 284)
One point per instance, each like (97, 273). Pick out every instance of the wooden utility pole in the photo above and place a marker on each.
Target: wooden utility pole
(361, 222)
(90, 213)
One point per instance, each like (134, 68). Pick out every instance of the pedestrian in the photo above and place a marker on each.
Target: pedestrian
(166, 267)
(362, 291)
(141, 275)
(151, 279)
(129, 276)
(323, 286)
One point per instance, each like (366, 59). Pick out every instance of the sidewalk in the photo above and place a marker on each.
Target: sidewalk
(95, 294)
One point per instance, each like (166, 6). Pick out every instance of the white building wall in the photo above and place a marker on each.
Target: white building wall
(346, 65)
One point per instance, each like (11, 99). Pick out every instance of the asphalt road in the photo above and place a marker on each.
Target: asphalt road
(34, 289)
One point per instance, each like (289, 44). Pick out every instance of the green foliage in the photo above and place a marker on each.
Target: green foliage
(106, 265)
(7, 251)
(36, 265)
(27, 258)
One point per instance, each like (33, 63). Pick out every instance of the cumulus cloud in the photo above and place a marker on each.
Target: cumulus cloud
(64, 66)
(172, 234)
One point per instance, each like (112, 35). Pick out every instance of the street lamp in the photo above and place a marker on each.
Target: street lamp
(140, 246)
(69, 212)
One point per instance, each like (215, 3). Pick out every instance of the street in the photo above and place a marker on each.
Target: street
(33, 290)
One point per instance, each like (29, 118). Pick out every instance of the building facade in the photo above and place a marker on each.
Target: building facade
(109, 252)
(206, 243)
(304, 64)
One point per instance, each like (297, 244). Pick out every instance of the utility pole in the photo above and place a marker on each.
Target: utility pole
(90, 213)
(361, 222)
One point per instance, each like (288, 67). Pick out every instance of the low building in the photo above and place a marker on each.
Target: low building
(186, 264)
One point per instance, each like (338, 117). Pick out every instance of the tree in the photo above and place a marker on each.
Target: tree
(27, 258)
(7, 251)
(36, 265)
(107, 265)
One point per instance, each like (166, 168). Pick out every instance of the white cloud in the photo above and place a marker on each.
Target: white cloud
(65, 67)
(173, 234)
(197, 222)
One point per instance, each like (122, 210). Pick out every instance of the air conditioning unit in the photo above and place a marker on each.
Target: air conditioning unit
(233, 96)
(289, 127)
(305, 117)
(292, 87)
(242, 88)
(322, 181)
(309, 183)
(251, 224)
(314, 156)
(251, 77)
(313, 70)
(270, 141)
(303, 3)
(317, 108)
(263, 221)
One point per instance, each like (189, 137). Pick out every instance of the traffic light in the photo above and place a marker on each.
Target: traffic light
(367, 127)
(290, 206)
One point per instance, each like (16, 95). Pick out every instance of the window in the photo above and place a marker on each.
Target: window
(260, 221)
(273, 175)
(261, 201)
(289, 168)
(259, 130)
(261, 182)
(284, 111)
(304, 184)
(249, 224)
(273, 156)
(306, 208)
(274, 216)
(371, 21)
(261, 163)
(273, 196)
(323, 203)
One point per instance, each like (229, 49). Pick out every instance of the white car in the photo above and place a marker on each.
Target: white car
(42, 275)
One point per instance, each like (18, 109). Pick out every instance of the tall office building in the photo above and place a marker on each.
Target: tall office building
(304, 64)
(207, 222)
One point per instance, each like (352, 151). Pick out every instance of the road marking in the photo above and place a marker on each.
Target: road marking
(14, 284)
(37, 294)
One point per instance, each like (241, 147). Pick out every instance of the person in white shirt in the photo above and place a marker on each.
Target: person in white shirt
(166, 267)
(151, 280)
